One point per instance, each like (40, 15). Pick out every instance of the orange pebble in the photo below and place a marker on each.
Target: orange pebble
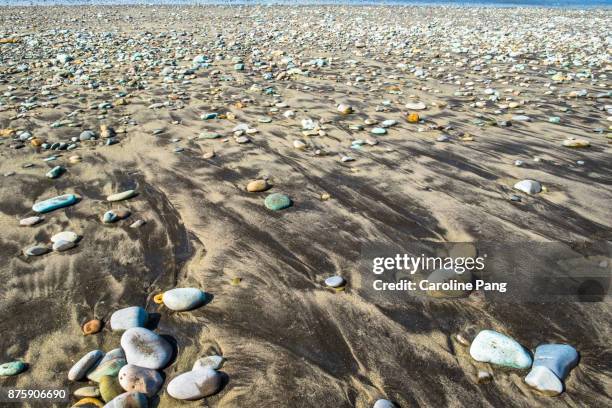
(413, 118)
(36, 142)
(92, 327)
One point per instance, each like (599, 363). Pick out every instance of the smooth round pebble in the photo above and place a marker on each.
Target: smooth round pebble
(145, 348)
(181, 299)
(334, 281)
(82, 367)
(194, 385)
(277, 201)
(140, 379)
(213, 362)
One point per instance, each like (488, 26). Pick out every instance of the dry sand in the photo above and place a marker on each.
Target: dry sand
(289, 341)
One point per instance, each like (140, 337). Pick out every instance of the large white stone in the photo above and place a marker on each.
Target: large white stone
(194, 385)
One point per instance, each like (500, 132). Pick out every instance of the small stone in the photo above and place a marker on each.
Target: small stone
(383, 403)
(12, 368)
(145, 348)
(29, 221)
(87, 135)
(335, 281)
(116, 353)
(36, 250)
(85, 365)
(124, 195)
(345, 109)
(242, 140)
(137, 224)
(300, 145)
(110, 387)
(194, 385)
(277, 201)
(521, 118)
(492, 347)
(576, 143)
(55, 203)
(88, 402)
(389, 123)
(129, 400)
(109, 367)
(484, 376)
(416, 106)
(544, 380)
(88, 391)
(257, 185)
(92, 327)
(65, 236)
(379, 131)
(123, 319)
(61, 245)
(413, 118)
(213, 362)
(181, 299)
(528, 186)
(75, 159)
(55, 172)
(115, 215)
(140, 379)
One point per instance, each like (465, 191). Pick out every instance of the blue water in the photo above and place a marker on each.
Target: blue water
(491, 3)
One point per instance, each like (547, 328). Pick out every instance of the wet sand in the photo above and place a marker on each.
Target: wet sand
(288, 340)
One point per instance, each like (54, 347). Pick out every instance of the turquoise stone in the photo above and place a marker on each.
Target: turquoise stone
(12, 368)
(55, 203)
(277, 201)
(492, 347)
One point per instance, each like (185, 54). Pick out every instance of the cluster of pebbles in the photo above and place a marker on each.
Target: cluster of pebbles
(444, 82)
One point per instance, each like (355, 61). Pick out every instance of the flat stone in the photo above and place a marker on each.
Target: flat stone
(140, 379)
(145, 348)
(383, 403)
(181, 299)
(257, 185)
(129, 400)
(29, 221)
(416, 106)
(64, 236)
(88, 402)
(138, 224)
(88, 391)
(55, 203)
(213, 362)
(379, 131)
(528, 186)
(492, 347)
(194, 385)
(116, 353)
(133, 316)
(36, 250)
(109, 367)
(277, 201)
(558, 358)
(335, 281)
(110, 387)
(86, 364)
(544, 380)
(62, 245)
(124, 195)
(576, 143)
(87, 135)
(55, 172)
(12, 368)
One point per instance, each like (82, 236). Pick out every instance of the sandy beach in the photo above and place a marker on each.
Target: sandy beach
(382, 125)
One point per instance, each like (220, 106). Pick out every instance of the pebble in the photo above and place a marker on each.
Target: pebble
(88, 391)
(82, 367)
(194, 385)
(110, 387)
(335, 281)
(257, 186)
(551, 365)
(64, 236)
(277, 201)
(108, 367)
(145, 348)
(576, 143)
(12, 368)
(61, 245)
(55, 172)
(528, 186)
(92, 327)
(29, 221)
(413, 118)
(416, 106)
(345, 109)
(137, 224)
(214, 362)
(124, 195)
(88, 402)
(129, 400)
(182, 299)
(383, 403)
(116, 353)
(379, 131)
(115, 215)
(133, 316)
(36, 250)
(140, 379)
(55, 203)
(492, 347)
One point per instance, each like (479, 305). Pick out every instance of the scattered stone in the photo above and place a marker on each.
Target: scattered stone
(383, 403)
(528, 186)
(492, 347)
(145, 348)
(123, 319)
(129, 400)
(416, 106)
(345, 109)
(109, 367)
(124, 195)
(551, 365)
(89, 402)
(88, 391)
(257, 186)
(55, 172)
(140, 379)
(194, 385)
(277, 201)
(30, 221)
(484, 376)
(61, 245)
(55, 203)
(576, 143)
(85, 365)
(110, 387)
(335, 281)
(137, 224)
(213, 362)
(12, 368)
(36, 250)
(92, 327)
(182, 299)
